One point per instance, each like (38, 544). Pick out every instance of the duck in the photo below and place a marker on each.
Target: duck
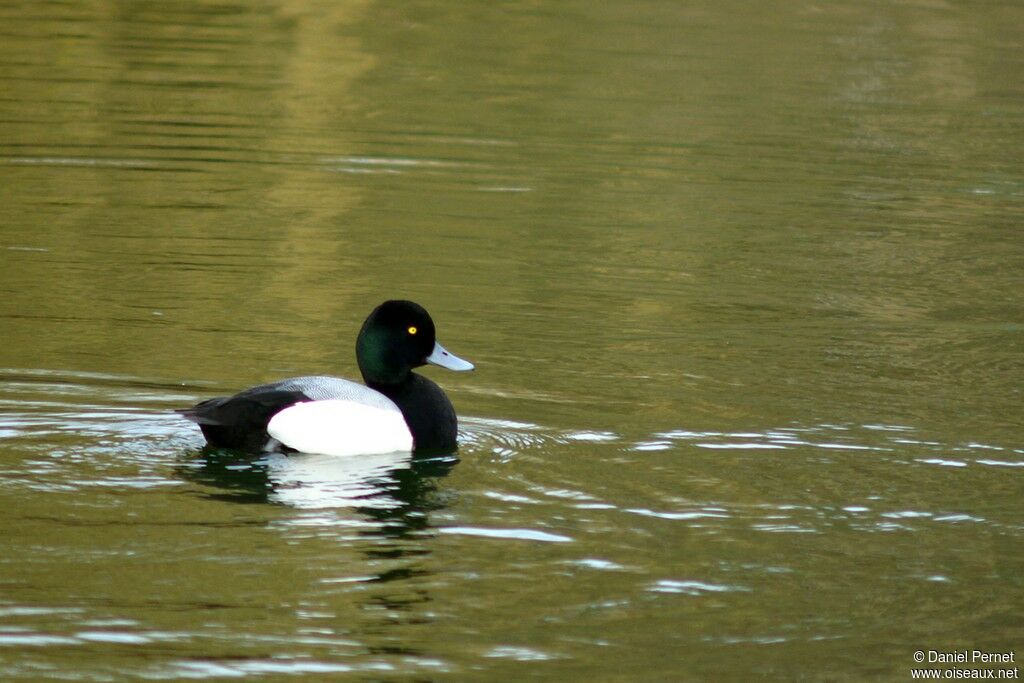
(395, 410)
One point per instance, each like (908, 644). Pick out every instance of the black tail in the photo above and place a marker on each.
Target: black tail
(240, 421)
(204, 412)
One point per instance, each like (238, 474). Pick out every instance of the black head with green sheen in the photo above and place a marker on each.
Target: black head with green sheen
(397, 337)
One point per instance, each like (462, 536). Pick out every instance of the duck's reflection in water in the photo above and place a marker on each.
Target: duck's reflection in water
(396, 489)
(386, 548)
(310, 481)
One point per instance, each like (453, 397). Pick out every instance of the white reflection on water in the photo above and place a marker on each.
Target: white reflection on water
(833, 437)
(324, 481)
(511, 534)
(33, 639)
(719, 513)
(213, 669)
(248, 668)
(521, 654)
(695, 588)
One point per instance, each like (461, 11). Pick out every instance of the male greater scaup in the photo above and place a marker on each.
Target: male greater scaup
(397, 410)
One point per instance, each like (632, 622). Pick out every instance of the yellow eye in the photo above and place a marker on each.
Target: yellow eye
(413, 330)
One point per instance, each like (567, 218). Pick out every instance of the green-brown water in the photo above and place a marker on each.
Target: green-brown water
(743, 284)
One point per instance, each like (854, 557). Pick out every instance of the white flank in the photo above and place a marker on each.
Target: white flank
(340, 427)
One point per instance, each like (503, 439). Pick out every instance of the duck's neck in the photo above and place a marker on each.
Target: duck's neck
(375, 365)
(389, 388)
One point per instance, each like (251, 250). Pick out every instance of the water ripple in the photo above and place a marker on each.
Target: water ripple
(696, 588)
(510, 534)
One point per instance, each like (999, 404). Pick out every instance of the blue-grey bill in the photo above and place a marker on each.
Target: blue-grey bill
(448, 360)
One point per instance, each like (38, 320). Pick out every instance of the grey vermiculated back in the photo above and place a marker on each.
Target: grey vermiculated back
(324, 387)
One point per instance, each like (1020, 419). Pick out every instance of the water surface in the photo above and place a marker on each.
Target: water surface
(742, 284)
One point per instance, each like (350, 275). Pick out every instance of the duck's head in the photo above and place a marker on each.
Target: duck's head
(397, 337)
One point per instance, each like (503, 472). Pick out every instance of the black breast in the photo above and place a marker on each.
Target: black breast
(427, 411)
